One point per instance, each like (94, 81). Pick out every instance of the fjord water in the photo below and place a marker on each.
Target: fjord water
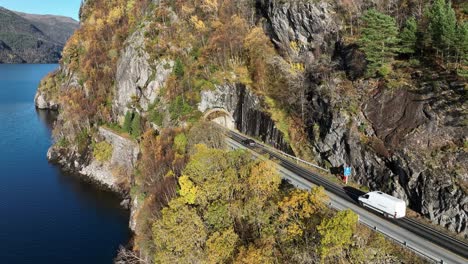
(47, 216)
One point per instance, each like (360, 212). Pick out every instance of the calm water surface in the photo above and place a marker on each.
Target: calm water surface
(47, 216)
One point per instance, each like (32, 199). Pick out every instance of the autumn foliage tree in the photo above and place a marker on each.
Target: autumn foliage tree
(233, 210)
(259, 51)
(158, 159)
(179, 234)
(336, 233)
(301, 212)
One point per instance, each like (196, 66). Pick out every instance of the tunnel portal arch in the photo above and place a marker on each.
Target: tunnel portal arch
(220, 116)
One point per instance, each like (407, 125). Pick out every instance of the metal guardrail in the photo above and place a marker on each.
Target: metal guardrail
(438, 232)
(290, 156)
(404, 244)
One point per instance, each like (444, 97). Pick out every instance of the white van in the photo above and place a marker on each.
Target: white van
(388, 205)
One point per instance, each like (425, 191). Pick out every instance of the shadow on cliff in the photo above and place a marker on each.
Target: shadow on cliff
(47, 118)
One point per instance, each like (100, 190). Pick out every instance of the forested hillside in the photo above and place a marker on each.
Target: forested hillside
(26, 38)
(57, 28)
(379, 85)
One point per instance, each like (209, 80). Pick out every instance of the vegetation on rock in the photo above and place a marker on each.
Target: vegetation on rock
(102, 151)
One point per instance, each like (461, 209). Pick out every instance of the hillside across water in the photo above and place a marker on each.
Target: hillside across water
(26, 38)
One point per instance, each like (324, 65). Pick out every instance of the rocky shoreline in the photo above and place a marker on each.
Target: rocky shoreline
(124, 156)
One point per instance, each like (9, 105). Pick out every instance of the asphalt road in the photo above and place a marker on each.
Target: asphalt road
(422, 239)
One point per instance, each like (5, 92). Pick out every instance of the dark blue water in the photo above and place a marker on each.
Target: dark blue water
(47, 216)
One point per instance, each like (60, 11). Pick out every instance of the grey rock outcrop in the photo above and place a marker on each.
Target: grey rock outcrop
(134, 209)
(125, 150)
(310, 25)
(111, 174)
(224, 96)
(121, 164)
(102, 174)
(404, 153)
(138, 78)
(42, 102)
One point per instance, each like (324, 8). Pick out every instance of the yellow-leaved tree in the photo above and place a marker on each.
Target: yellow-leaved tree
(336, 233)
(300, 212)
(179, 235)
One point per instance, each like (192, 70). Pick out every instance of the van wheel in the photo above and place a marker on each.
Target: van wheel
(361, 204)
(385, 215)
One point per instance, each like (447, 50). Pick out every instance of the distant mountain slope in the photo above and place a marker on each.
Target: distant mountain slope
(26, 38)
(7, 55)
(57, 28)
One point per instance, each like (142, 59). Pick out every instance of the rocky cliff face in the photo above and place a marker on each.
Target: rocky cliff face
(57, 82)
(115, 173)
(247, 112)
(43, 101)
(408, 142)
(139, 79)
(311, 25)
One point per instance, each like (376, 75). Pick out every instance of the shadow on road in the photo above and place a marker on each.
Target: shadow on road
(353, 193)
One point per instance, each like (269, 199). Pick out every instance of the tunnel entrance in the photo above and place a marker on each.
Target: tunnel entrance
(221, 117)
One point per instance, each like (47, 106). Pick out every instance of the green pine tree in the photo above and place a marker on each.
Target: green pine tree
(379, 39)
(136, 126)
(408, 37)
(442, 27)
(179, 68)
(461, 47)
(127, 122)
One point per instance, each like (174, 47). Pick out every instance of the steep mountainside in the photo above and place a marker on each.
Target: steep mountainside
(8, 55)
(57, 28)
(33, 38)
(309, 77)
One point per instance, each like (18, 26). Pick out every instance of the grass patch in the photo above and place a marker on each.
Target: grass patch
(102, 151)
(280, 117)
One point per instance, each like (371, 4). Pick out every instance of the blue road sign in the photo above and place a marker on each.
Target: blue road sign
(347, 171)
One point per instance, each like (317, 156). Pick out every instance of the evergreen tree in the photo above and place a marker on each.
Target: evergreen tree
(179, 68)
(136, 126)
(408, 37)
(442, 26)
(378, 39)
(461, 47)
(127, 122)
